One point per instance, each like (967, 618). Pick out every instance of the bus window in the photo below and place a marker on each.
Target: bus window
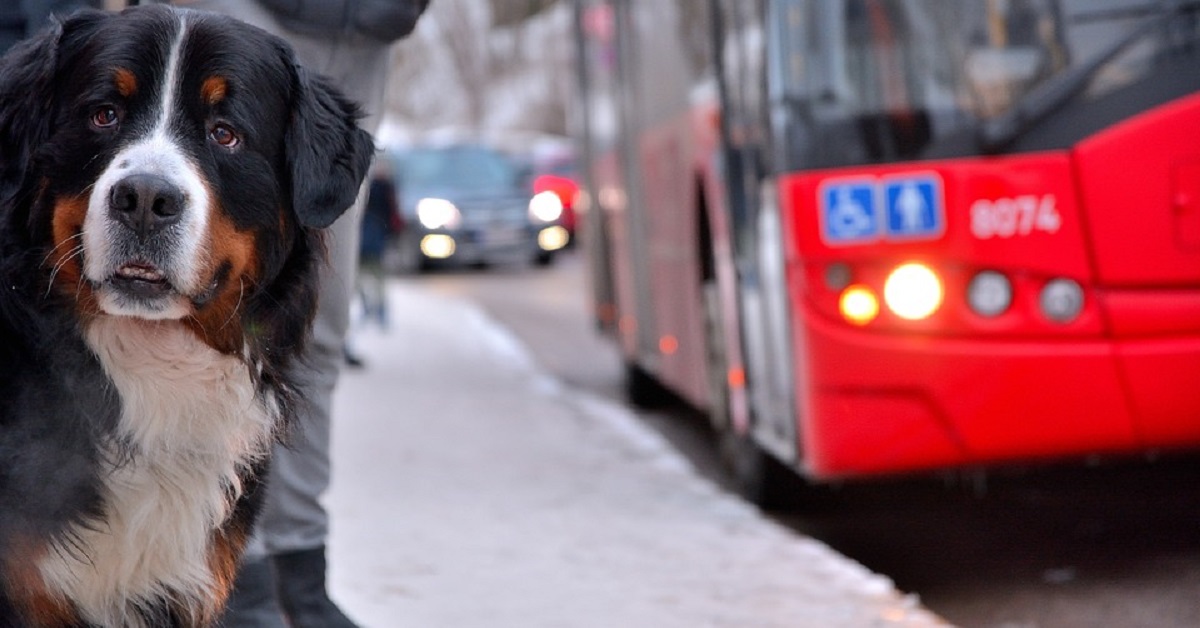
(873, 81)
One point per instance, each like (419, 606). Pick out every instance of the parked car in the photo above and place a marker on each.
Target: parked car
(471, 204)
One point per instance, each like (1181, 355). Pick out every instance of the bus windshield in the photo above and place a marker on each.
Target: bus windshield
(932, 78)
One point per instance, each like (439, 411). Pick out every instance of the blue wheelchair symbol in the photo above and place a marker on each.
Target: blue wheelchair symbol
(914, 206)
(848, 211)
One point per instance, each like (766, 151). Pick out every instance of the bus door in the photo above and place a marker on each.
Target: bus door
(743, 29)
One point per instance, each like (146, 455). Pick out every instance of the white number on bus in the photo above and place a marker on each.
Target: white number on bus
(1011, 217)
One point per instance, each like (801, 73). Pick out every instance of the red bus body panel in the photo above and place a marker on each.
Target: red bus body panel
(1141, 184)
(959, 389)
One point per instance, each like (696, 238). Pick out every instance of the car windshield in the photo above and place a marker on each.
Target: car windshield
(463, 168)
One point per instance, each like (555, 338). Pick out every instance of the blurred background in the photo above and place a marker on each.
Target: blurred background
(496, 69)
(484, 68)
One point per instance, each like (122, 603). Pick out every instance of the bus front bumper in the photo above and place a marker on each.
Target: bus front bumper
(881, 404)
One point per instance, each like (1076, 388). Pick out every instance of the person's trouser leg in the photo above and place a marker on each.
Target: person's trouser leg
(292, 529)
(293, 517)
(291, 532)
(295, 524)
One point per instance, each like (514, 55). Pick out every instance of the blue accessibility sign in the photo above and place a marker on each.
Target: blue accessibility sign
(849, 212)
(914, 206)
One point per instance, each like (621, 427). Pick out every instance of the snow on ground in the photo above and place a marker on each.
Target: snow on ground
(472, 489)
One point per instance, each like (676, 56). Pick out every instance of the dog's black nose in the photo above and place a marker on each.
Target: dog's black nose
(146, 203)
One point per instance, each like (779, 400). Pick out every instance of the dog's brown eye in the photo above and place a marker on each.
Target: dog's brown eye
(105, 117)
(224, 136)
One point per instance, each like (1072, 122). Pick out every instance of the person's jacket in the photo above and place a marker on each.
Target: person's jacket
(384, 20)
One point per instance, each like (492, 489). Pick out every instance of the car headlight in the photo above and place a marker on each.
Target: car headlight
(545, 206)
(438, 213)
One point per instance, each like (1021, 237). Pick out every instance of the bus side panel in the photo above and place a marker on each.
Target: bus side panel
(670, 206)
(658, 261)
(1140, 182)
(613, 201)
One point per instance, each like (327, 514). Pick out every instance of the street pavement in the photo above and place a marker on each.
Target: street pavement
(471, 489)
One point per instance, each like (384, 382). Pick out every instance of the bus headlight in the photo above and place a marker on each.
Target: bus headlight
(913, 291)
(989, 293)
(438, 213)
(1061, 300)
(545, 206)
(858, 305)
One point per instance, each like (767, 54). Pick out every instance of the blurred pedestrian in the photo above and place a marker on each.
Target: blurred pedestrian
(284, 569)
(22, 18)
(381, 225)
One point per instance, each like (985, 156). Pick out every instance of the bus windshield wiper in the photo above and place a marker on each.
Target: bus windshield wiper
(998, 133)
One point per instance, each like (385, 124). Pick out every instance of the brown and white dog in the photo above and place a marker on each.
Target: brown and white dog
(164, 179)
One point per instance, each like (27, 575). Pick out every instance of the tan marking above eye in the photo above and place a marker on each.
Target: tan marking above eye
(213, 90)
(125, 81)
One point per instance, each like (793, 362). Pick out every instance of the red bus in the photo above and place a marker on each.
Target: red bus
(882, 236)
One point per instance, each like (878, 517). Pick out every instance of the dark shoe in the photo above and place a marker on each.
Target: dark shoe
(252, 603)
(354, 361)
(302, 593)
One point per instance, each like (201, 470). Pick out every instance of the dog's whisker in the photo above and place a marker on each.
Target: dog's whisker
(237, 306)
(73, 253)
(65, 242)
(203, 330)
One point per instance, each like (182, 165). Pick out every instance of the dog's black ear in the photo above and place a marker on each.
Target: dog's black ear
(26, 102)
(327, 152)
(28, 91)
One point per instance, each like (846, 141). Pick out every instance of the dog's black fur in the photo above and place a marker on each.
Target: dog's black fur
(71, 100)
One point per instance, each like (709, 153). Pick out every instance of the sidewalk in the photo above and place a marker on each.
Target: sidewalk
(472, 490)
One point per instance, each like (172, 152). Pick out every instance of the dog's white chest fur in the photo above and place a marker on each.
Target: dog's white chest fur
(190, 419)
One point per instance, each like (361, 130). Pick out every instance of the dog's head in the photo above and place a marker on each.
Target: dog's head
(175, 165)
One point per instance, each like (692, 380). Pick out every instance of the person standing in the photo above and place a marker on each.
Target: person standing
(381, 225)
(282, 581)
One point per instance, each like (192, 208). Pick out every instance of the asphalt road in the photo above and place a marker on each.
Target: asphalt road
(1101, 544)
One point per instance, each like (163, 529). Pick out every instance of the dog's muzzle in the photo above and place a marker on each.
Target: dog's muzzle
(146, 204)
(145, 232)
